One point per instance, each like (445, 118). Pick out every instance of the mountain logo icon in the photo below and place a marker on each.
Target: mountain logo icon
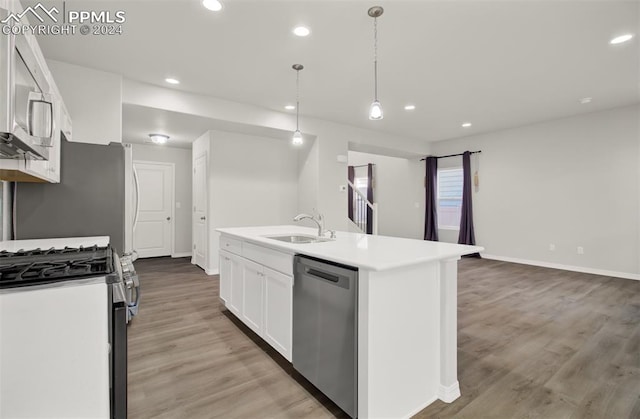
(35, 11)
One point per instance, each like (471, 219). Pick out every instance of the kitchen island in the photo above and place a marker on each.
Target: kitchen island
(406, 307)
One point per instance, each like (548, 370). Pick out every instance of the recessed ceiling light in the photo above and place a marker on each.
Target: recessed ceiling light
(585, 100)
(158, 138)
(410, 107)
(213, 5)
(172, 80)
(301, 31)
(466, 124)
(289, 107)
(620, 39)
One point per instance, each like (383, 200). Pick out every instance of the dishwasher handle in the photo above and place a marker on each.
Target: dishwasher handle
(322, 274)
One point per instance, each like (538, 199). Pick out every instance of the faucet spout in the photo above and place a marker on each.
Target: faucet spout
(319, 221)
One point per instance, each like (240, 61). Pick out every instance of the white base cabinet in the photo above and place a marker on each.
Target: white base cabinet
(231, 282)
(257, 294)
(278, 311)
(253, 295)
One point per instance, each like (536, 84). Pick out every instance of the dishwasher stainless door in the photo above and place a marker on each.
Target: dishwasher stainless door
(325, 326)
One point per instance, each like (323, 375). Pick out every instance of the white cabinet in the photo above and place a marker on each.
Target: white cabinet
(255, 289)
(278, 311)
(252, 304)
(225, 276)
(34, 170)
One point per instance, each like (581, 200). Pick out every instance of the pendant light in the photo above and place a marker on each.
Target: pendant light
(375, 111)
(297, 135)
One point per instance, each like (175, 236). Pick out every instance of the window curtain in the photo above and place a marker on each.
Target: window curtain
(466, 235)
(431, 207)
(351, 175)
(370, 198)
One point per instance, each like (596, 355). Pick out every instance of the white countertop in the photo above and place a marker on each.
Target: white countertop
(58, 243)
(365, 251)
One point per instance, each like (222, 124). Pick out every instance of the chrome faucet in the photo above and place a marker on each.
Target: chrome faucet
(319, 221)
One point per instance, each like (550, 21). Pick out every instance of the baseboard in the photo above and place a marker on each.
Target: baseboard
(181, 255)
(212, 271)
(450, 393)
(582, 269)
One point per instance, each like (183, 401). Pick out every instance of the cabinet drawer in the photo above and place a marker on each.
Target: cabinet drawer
(270, 258)
(231, 245)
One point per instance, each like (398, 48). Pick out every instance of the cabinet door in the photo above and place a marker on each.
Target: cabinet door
(236, 285)
(252, 304)
(278, 324)
(225, 277)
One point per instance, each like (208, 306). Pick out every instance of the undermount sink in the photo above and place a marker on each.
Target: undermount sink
(298, 238)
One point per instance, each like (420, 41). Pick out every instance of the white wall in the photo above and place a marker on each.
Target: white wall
(252, 181)
(331, 139)
(308, 186)
(93, 99)
(182, 160)
(399, 193)
(569, 182)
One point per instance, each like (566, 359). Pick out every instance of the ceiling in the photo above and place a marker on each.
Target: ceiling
(496, 64)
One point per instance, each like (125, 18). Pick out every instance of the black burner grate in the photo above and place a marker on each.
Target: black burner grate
(37, 266)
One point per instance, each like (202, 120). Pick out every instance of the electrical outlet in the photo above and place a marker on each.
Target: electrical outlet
(552, 247)
(178, 205)
(580, 250)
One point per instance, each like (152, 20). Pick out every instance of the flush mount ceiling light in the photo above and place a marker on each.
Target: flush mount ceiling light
(171, 80)
(297, 135)
(375, 110)
(301, 31)
(620, 39)
(213, 5)
(158, 138)
(466, 124)
(410, 107)
(290, 107)
(585, 100)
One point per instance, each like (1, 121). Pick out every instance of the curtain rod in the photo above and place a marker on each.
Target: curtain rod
(364, 165)
(452, 155)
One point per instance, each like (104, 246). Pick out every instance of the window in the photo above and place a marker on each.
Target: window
(449, 198)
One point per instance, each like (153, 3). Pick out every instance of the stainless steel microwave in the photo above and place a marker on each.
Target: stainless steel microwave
(28, 120)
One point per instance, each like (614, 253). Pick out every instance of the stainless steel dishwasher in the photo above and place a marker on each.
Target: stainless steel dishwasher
(325, 328)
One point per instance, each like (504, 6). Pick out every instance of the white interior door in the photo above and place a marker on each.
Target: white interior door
(153, 230)
(200, 199)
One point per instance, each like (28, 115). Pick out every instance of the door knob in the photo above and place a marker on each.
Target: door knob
(168, 218)
(203, 218)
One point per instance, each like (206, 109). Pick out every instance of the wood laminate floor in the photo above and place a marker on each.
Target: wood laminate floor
(532, 343)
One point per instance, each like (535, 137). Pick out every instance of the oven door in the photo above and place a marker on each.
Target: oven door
(118, 360)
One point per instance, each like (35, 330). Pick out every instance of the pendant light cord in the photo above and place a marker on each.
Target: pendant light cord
(375, 57)
(297, 100)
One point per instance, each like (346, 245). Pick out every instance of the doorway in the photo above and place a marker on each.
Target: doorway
(153, 227)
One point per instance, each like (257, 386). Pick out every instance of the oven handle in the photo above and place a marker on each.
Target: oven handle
(135, 304)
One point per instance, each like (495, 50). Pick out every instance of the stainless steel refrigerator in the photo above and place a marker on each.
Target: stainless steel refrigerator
(88, 201)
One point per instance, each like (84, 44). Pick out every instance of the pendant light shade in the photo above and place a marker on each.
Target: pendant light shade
(297, 135)
(297, 138)
(375, 111)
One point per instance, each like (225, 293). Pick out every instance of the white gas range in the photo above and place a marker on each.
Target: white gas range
(64, 308)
